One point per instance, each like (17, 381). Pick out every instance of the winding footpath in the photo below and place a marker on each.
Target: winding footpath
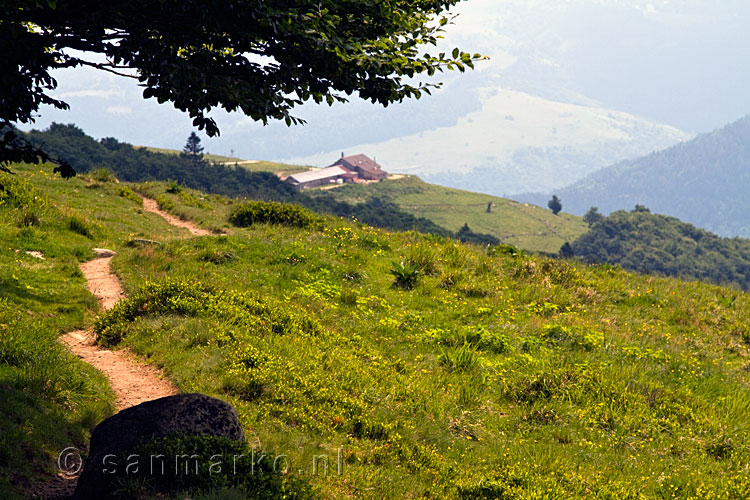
(133, 380)
(150, 205)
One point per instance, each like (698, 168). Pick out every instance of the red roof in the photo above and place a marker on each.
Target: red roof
(357, 162)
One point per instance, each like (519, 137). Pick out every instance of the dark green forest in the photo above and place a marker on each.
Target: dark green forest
(134, 164)
(659, 244)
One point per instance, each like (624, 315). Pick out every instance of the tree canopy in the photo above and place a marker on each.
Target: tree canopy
(260, 58)
(555, 204)
(193, 147)
(592, 216)
(641, 241)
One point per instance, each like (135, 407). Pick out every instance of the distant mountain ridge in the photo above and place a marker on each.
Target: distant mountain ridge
(705, 181)
(515, 143)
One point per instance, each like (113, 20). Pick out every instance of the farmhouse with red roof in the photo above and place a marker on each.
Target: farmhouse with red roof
(348, 169)
(366, 168)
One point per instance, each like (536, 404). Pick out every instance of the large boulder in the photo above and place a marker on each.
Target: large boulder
(115, 437)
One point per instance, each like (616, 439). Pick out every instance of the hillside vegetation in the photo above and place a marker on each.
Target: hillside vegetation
(704, 182)
(525, 226)
(657, 244)
(257, 181)
(433, 369)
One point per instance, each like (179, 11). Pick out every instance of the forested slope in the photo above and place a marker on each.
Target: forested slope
(658, 244)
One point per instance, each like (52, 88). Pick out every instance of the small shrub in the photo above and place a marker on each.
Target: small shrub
(362, 428)
(473, 291)
(483, 268)
(494, 342)
(126, 192)
(463, 359)
(450, 278)
(423, 257)
(562, 273)
(406, 275)
(262, 212)
(352, 275)
(191, 201)
(216, 256)
(165, 203)
(348, 297)
(17, 192)
(476, 337)
(248, 373)
(468, 397)
(28, 217)
(293, 258)
(455, 255)
(173, 187)
(78, 225)
(543, 415)
(720, 449)
(543, 386)
(103, 175)
(580, 338)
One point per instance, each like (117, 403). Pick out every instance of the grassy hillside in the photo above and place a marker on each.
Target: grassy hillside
(482, 375)
(525, 226)
(138, 165)
(50, 399)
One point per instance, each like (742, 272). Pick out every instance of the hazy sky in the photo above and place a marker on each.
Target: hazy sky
(682, 63)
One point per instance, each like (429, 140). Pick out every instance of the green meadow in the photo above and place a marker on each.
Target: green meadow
(519, 224)
(419, 366)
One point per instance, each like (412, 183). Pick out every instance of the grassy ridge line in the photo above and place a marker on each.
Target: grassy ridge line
(525, 226)
(498, 375)
(251, 165)
(207, 156)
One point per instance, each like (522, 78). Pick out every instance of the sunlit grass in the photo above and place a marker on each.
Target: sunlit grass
(497, 374)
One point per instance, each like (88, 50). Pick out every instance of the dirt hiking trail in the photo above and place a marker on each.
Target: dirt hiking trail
(132, 380)
(150, 205)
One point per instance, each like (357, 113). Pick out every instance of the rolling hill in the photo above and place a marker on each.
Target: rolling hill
(705, 182)
(526, 226)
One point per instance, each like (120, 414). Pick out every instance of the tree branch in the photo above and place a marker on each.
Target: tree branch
(105, 67)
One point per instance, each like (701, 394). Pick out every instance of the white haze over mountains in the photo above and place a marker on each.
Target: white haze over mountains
(572, 86)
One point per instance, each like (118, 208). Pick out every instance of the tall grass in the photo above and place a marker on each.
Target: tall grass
(501, 375)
